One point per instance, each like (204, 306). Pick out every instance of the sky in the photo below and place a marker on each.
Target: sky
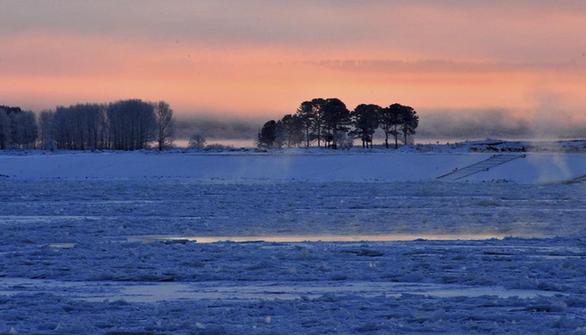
(259, 59)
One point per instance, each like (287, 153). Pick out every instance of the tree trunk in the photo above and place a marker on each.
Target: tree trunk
(318, 137)
(334, 140)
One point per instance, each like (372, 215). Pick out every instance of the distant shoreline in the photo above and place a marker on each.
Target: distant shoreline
(479, 146)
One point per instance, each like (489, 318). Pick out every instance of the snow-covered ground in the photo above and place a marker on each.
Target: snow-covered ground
(290, 165)
(124, 243)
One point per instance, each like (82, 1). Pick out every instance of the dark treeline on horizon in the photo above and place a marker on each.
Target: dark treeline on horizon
(121, 125)
(18, 129)
(329, 122)
(135, 124)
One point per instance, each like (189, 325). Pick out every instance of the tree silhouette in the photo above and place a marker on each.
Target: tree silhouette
(319, 120)
(336, 119)
(5, 130)
(46, 130)
(267, 134)
(365, 119)
(18, 128)
(197, 141)
(121, 125)
(79, 127)
(305, 113)
(409, 122)
(329, 120)
(165, 127)
(24, 130)
(390, 120)
(280, 135)
(293, 127)
(131, 124)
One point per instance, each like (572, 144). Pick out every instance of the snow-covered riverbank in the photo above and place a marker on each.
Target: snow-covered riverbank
(113, 253)
(293, 165)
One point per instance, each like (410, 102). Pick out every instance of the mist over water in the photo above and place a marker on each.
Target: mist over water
(217, 128)
(228, 142)
(443, 126)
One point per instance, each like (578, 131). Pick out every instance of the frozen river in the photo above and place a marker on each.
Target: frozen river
(178, 255)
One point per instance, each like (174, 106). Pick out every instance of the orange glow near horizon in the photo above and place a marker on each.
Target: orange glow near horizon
(256, 79)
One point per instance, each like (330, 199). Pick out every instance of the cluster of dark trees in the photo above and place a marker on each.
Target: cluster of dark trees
(18, 129)
(328, 121)
(121, 125)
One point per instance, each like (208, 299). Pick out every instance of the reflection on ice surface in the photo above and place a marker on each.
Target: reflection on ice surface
(250, 291)
(328, 238)
(62, 245)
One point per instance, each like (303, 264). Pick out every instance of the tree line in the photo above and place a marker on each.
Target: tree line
(135, 124)
(121, 125)
(329, 122)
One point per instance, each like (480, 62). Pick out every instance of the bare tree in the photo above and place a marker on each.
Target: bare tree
(5, 130)
(131, 124)
(80, 127)
(122, 125)
(165, 126)
(46, 130)
(197, 141)
(24, 130)
(18, 129)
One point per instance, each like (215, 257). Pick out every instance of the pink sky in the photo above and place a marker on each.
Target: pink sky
(262, 58)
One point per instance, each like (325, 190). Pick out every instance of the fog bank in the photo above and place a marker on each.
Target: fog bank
(445, 125)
